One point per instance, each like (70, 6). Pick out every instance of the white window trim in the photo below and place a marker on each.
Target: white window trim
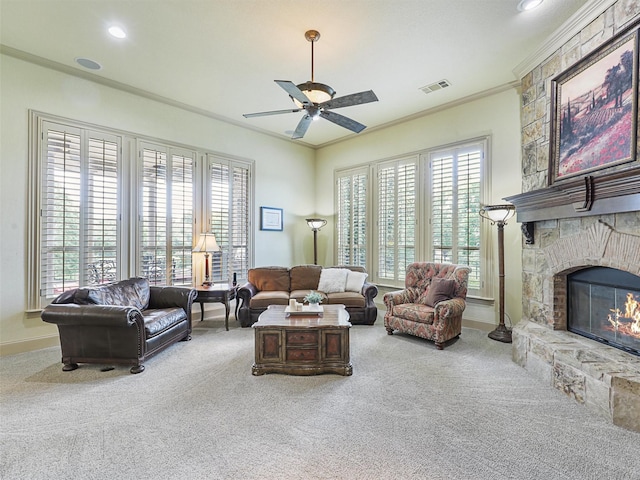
(423, 213)
(128, 204)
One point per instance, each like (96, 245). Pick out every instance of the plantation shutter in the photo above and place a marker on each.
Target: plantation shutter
(396, 218)
(455, 203)
(101, 225)
(79, 209)
(153, 222)
(352, 218)
(181, 219)
(239, 261)
(230, 210)
(166, 222)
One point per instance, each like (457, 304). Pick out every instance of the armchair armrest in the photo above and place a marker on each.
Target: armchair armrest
(93, 315)
(399, 297)
(448, 312)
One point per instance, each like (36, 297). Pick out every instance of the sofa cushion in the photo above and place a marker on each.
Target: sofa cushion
(440, 289)
(271, 297)
(305, 277)
(333, 280)
(348, 299)
(270, 278)
(298, 295)
(355, 281)
(133, 292)
(157, 321)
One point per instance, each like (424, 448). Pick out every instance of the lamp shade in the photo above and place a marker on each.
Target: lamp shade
(498, 213)
(207, 243)
(316, 223)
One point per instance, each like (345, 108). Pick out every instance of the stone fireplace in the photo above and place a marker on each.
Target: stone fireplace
(604, 378)
(570, 226)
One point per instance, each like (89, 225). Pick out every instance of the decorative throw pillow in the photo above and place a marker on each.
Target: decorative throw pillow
(440, 289)
(333, 280)
(355, 281)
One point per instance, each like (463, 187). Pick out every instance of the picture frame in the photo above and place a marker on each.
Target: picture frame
(594, 110)
(270, 218)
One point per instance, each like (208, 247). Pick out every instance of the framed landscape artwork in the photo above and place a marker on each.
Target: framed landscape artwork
(270, 218)
(594, 110)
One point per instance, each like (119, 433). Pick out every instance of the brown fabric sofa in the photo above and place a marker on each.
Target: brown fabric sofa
(122, 322)
(276, 285)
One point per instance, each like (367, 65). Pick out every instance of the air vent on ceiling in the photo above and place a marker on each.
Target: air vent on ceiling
(436, 86)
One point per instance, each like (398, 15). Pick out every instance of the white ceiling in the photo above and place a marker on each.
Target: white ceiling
(221, 57)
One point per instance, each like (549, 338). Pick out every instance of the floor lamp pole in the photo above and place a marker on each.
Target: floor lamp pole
(315, 246)
(501, 333)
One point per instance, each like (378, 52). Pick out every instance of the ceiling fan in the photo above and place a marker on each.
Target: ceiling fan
(316, 99)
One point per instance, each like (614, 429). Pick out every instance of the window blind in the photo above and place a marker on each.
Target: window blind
(396, 199)
(351, 229)
(79, 216)
(230, 214)
(456, 178)
(166, 220)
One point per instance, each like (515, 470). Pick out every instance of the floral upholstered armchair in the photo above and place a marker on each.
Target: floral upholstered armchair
(431, 304)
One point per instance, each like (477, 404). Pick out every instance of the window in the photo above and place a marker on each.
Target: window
(229, 217)
(396, 207)
(79, 216)
(425, 207)
(166, 218)
(99, 213)
(454, 204)
(351, 227)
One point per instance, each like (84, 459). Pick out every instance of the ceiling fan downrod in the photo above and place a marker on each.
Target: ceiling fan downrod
(312, 36)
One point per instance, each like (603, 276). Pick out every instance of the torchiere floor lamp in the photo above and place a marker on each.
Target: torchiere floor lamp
(498, 215)
(315, 224)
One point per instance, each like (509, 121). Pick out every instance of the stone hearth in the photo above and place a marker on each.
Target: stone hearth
(603, 378)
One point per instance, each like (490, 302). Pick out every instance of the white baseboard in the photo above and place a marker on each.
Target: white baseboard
(22, 346)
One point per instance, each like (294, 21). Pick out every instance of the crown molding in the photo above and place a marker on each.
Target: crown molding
(44, 62)
(587, 13)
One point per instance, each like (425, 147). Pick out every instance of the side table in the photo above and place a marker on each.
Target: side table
(216, 293)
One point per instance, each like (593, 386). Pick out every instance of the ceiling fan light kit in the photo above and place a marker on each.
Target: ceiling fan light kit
(316, 99)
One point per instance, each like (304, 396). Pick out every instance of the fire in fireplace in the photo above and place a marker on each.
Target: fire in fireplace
(604, 304)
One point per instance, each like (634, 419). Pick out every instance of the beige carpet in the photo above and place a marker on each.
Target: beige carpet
(408, 412)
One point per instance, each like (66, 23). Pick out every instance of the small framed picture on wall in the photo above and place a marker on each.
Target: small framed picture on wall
(270, 218)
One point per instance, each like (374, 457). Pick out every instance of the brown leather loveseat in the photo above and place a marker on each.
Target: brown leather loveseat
(122, 322)
(276, 285)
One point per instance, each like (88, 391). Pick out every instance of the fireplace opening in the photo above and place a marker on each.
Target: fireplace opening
(604, 304)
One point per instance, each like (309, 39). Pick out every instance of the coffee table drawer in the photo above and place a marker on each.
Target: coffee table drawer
(302, 354)
(302, 338)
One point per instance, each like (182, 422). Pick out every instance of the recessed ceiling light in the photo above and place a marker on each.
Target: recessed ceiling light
(86, 63)
(117, 31)
(525, 5)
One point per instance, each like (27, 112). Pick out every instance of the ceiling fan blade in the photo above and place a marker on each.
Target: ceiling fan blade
(294, 91)
(274, 112)
(302, 127)
(343, 121)
(348, 100)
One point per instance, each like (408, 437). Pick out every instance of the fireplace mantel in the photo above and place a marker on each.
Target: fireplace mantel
(581, 196)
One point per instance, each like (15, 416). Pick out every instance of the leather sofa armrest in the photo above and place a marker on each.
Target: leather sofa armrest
(93, 315)
(369, 291)
(246, 292)
(168, 297)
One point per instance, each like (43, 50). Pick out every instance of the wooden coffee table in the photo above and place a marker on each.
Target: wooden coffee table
(302, 344)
